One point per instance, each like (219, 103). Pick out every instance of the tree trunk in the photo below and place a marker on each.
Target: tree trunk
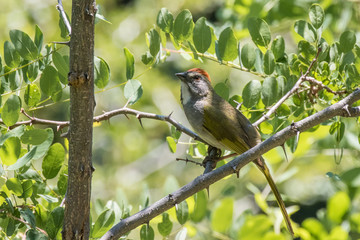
(82, 103)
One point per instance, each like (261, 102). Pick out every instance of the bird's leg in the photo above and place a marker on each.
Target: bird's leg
(213, 157)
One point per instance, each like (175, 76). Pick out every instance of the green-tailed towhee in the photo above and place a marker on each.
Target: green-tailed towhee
(220, 124)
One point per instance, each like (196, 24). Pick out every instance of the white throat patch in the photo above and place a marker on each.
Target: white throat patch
(185, 93)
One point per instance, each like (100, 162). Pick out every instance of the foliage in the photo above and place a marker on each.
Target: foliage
(33, 161)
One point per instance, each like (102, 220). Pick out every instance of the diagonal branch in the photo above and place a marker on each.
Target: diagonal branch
(289, 93)
(203, 181)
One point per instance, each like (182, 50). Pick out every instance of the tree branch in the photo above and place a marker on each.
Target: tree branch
(203, 181)
(61, 10)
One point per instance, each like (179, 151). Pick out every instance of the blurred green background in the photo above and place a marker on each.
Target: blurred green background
(133, 163)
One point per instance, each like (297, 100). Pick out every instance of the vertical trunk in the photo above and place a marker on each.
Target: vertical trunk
(82, 103)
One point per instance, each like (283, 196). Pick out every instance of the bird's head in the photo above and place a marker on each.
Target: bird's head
(195, 83)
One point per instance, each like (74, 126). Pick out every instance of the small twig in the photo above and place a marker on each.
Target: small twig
(313, 81)
(26, 223)
(67, 43)
(186, 160)
(61, 10)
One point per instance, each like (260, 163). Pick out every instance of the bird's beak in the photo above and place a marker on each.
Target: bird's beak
(181, 76)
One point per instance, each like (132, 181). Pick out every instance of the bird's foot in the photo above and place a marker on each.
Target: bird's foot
(212, 158)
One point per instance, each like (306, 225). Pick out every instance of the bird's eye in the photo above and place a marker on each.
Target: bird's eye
(196, 77)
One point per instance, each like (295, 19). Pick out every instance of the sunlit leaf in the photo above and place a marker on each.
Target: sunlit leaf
(259, 31)
(222, 90)
(251, 93)
(24, 45)
(337, 206)
(316, 15)
(165, 226)
(147, 232)
(11, 110)
(347, 41)
(171, 144)
(269, 62)
(182, 212)
(11, 55)
(222, 214)
(202, 35)
(305, 30)
(10, 151)
(101, 72)
(130, 64)
(227, 45)
(103, 223)
(32, 95)
(183, 25)
(165, 20)
(133, 91)
(14, 185)
(154, 41)
(248, 55)
(53, 161)
(278, 47)
(49, 80)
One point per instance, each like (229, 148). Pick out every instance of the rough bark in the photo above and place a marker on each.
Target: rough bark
(81, 81)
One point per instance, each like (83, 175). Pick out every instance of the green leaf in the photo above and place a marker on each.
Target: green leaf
(183, 25)
(259, 31)
(53, 161)
(56, 96)
(222, 90)
(14, 185)
(32, 95)
(32, 71)
(175, 133)
(222, 214)
(130, 64)
(39, 38)
(23, 160)
(42, 149)
(202, 35)
(171, 144)
(305, 30)
(55, 222)
(307, 50)
(259, 61)
(269, 62)
(154, 41)
(182, 212)
(200, 208)
(16, 132)
(147, 232)
(269, 91)
(27, 186)
(103, 223)
(165, 20)
(62, 181)
(147, 59)
(14, 78)
(165, 226)
(10, 151)
(347, 41)
(11, 55)
(316, 15)
(248, 55)
(32, 234)
(24, 45)
(255, 227)
(227, 45)
(251, 93)
(49, 80)
(101, 72)
(340, 132)
(181, 235)
(34, 136)
(28, 216)
(49, 198)
(133, 91)
(278, 47)
(11, 110)
(337, 206)
(62, 65)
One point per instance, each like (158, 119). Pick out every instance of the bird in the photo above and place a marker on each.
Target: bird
(221, 125)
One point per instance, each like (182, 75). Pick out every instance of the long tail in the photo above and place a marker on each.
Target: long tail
(260, 163)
